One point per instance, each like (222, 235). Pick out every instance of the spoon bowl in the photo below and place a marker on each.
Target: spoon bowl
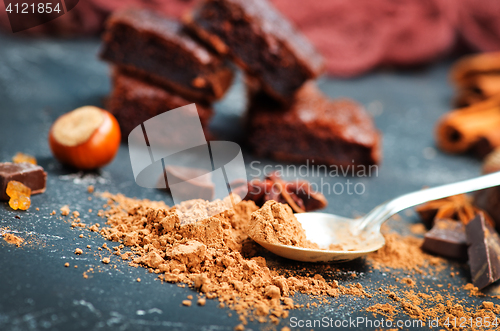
(328, 231)
(341, 239)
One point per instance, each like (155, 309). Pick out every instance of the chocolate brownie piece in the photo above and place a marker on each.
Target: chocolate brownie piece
(314, 128)
(260, 40)
(159, 50)
(31, 175)
(133, 101)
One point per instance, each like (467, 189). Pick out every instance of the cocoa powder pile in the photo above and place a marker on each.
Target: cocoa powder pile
(13, 239)
(275, 223)
(403, 253)
(213, 255)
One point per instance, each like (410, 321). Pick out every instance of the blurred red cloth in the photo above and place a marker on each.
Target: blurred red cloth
(354, 36)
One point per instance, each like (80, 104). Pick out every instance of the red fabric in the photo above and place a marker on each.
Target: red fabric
(354, 36)
(479, 23)
(346, 32)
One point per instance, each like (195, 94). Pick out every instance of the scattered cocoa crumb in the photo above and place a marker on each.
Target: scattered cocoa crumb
(53, 212)
(76, 214)
(488, 305)
(90, 189)
(66, 264)
(138, 280)
(403, 253)
(186, 303)
(106, 260)
(80, 236)
(78, 251)
(215, 256)
(13, 239)
(65, 210)
(473, 291)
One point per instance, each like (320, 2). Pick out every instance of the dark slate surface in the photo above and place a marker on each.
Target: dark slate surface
(41, 79)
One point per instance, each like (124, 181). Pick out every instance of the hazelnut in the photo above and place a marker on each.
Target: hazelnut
(85, 138)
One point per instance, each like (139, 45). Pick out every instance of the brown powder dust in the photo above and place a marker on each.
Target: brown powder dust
(403, 253)
(275, 223)
(13, 239)
(214, 255)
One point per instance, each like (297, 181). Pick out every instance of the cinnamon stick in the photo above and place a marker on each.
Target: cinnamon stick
(469, 66)
(475, 128)
(477, 78)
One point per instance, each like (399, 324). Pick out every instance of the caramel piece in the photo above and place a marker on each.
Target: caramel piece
(19, 195)
(457, 208)
(21, 157)
(22, 202)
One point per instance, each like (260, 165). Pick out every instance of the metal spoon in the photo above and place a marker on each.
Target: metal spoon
(361, 236)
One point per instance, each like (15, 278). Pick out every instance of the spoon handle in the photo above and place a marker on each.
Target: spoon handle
(382, 212)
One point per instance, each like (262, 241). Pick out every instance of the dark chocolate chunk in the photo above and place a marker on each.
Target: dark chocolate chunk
(483, 251)
(157, 49)
(29, 174)
(489, 201)
(196, 183)
(446, 238)
(315, 129)
(261, 41)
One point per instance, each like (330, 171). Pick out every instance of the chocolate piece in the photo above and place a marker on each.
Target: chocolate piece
(483, 251)
(260, 40)
(29, 174)
(159, 50)
(197, 183)
(446, 238)
(133, 101)
(315, 128)
(489, 199)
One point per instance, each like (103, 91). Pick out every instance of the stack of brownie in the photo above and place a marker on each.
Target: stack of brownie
(161, 65)
(158, 66)
(289, 118)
